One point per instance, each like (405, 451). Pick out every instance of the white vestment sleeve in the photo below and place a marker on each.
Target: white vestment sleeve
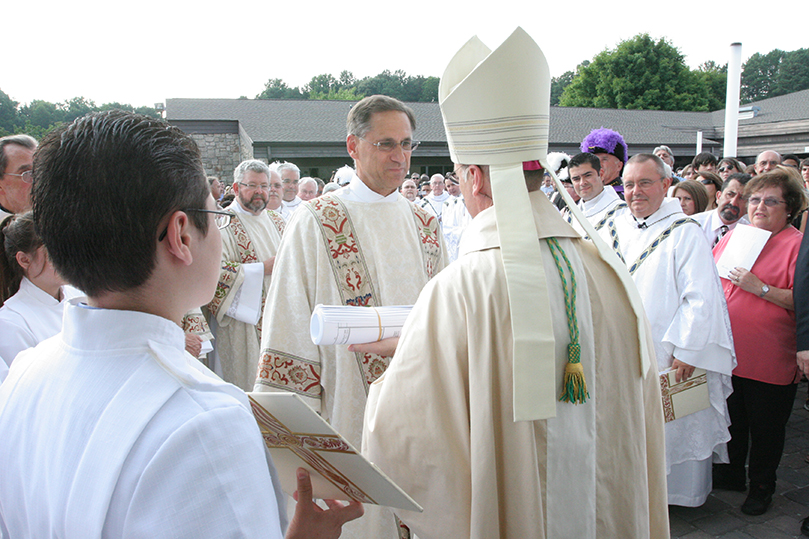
(246, 304)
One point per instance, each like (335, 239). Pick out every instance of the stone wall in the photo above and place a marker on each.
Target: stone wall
(221, 154)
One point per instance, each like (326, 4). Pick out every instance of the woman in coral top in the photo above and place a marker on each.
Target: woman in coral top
(762, 317)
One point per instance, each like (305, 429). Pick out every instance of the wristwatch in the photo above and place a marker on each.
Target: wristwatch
(764, 289)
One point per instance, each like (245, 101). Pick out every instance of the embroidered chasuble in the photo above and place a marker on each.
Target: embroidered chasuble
(241, 291)
(440, 420)
(351, 248)
(672, 265)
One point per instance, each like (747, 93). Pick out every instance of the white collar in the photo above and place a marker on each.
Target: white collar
(357, 191)
(669, 207)
(292, 203)
(599, 202)
(440, 198)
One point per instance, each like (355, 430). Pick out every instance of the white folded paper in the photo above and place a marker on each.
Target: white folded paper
(342, 324)
(742, 249)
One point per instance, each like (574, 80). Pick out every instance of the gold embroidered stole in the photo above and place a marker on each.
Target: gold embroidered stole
(246, 255)
(278, 221)
(351, 271)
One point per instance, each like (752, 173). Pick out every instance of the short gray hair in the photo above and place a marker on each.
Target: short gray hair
(281, 166)
(307, 180)
(359, 117)
(664, 148)
(253, 165)
(26, 141)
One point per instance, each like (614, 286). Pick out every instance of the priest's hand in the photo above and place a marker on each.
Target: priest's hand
(803, 361)
(313, 522)
(268, 265)
(684, 370)
(193, 344)
(385, 347)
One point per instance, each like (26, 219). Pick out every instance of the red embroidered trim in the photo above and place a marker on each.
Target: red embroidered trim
(290, 373)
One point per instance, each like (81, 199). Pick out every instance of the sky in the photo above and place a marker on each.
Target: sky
(143, 53)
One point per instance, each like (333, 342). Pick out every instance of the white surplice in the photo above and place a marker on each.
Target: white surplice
(243, 287)
(455, 220)
(440, 422)
(118, 432)
(686, 307)
(29, 317)
(596, 208)
(330, 378)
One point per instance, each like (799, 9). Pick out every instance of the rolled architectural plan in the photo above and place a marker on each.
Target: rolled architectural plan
(341, 324)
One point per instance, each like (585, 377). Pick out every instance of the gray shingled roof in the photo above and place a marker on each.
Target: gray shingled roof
(269, 120)
(784, 108)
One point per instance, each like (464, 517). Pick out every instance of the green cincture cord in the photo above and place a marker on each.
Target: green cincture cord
(575, 387)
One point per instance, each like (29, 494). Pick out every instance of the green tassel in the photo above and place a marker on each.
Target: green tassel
(575, 386)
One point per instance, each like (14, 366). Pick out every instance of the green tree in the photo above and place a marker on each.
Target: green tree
(759, 75)
(558, 85)
(76, 108)
(9, 115)
(640, 73)
(794, 73)
(278, 89)
(321, 85)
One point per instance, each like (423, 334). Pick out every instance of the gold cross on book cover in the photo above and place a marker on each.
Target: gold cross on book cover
(298, 437)
(684, 398)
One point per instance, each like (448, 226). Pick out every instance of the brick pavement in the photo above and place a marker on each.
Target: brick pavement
(720, 515)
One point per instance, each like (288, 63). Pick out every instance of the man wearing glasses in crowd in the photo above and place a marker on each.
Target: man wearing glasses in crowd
(731, 209)
(363, 245)
(290, 176)
(249, 244)
(16, 162)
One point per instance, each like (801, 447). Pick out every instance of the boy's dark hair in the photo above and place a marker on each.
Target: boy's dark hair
(103, 187)
(581, 158)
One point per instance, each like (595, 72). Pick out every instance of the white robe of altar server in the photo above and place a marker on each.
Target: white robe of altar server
(29, 317)
(686, 307)
(596, 208)
(440, 421)
(388, 238)
(455, 220)
(110, 429)
(237, 337)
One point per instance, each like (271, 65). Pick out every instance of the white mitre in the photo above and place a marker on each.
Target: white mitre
(495, 106)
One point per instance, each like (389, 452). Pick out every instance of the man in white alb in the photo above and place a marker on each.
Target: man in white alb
(290, 177)
(249, 245)
(674, 270)
(598, 202)
(434, 202)
(363, 245)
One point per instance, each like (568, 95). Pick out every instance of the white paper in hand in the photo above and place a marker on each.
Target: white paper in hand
(742, 249)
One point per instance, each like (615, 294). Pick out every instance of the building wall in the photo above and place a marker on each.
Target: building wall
(221, 154)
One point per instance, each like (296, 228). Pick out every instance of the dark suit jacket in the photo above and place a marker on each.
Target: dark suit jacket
(800, 294)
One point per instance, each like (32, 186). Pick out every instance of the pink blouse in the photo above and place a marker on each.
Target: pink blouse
(764, 333)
